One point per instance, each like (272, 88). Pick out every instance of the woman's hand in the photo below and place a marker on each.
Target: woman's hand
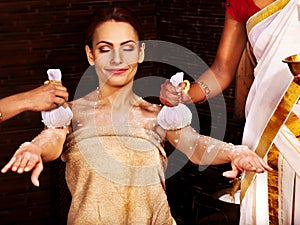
(172, 96)
(246, 159)
(26, 158)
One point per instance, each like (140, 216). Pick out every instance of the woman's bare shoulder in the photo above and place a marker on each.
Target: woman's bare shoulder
(85, 101)
(150, 107)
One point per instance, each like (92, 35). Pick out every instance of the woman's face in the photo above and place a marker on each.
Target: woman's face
(116, 53)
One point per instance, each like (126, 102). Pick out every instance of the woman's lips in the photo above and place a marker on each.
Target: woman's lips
(117, 71)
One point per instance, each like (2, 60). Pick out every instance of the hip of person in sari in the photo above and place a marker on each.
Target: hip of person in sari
(272, 118)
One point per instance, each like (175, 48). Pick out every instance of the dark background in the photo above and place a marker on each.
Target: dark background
(37, 35)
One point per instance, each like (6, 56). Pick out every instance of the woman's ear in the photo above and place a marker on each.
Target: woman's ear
(89, 55)
(141, 53)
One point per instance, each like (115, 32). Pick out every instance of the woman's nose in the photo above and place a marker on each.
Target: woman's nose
(116, 57)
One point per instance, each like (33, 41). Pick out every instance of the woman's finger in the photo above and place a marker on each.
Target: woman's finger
(8, 166)
(231, 173)
(23, 162)
(32, 162)
(16, 163)
(36, 173)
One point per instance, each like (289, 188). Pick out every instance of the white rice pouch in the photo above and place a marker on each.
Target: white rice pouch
(177, 117)
(61, 116)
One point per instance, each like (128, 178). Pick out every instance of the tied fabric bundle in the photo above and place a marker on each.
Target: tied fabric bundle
(61, 116)
(177, 117)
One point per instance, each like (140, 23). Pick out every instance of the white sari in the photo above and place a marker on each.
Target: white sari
(272, 117)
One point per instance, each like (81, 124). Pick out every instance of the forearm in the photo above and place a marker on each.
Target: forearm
(50, 142)
(211, 83)
(223, 70)
(201, 149)
(13, 105)
(210, 151)
(204, 150)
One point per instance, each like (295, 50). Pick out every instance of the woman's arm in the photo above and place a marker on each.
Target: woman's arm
(204, 150)
(47, 146)
(222, 71)
(43, 98)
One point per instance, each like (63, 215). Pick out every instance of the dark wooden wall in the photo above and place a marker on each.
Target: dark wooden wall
(39, 34)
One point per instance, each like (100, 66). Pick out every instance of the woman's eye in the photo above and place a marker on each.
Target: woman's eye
(104, 49)
(128, 48)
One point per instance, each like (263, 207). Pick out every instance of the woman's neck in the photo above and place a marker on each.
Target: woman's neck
(117, 97)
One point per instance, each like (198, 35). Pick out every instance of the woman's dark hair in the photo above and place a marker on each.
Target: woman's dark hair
(118, 14)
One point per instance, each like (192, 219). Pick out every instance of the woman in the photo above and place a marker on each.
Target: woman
(115, 160)
(272, 114)
(43, 98)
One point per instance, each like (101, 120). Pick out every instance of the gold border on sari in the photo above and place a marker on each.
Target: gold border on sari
(265, 13)
(279, 117)
(273, 201)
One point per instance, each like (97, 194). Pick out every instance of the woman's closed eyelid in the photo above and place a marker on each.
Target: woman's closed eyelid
(104, 48)
(128, 48)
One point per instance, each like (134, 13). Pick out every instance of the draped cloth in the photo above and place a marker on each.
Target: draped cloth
(272, 118)
(116, 176)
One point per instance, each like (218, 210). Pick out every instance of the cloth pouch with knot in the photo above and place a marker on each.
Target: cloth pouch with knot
(61, 116)
(177, 117)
